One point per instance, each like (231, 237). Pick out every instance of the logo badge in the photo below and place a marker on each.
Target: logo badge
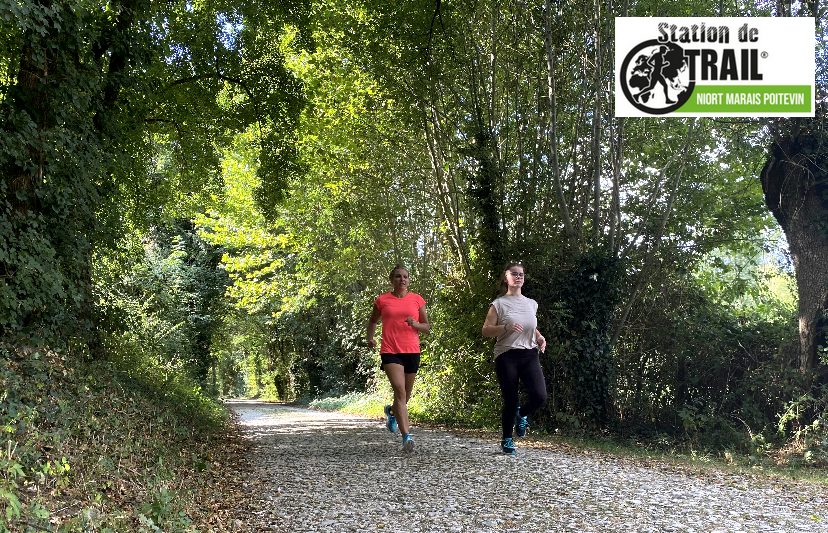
(716, 66)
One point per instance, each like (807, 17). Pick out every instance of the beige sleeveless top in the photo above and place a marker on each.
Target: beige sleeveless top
(516, 309)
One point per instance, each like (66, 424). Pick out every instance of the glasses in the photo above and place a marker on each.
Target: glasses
(517, 274)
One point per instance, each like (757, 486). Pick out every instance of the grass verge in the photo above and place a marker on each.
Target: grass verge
(110, 447)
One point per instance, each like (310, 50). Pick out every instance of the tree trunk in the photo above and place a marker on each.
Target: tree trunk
(795, 184)
(446, 191)
(553, 122)
(597, 230)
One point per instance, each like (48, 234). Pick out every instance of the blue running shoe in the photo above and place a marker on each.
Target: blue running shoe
(508, 446)
(408, 443)
(521, 424)
(390, 420)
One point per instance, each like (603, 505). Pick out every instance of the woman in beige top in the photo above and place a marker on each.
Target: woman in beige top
(512, 320)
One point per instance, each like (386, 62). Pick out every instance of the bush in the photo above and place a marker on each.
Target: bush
(576, 306)
(804, 423)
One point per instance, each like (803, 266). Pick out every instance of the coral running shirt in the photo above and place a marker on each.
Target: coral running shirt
(397, 335)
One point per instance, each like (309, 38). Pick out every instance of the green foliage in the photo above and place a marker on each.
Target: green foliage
(370, 404)
(122, 110)
(24, 381)
(48, 158)
(331, 354)
(710, 372)
(168, 304)
(305, 273)
(576, 307)
(804, 424)
(162, 513)
(101, 442)
(457, 368)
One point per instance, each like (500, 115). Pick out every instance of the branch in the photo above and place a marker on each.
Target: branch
(223, 77)
(643, 276)
(437, 14)
(118, 60)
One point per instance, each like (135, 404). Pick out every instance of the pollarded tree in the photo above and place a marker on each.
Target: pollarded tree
(795, 183)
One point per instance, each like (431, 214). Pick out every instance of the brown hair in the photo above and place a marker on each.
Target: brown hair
(397, 267)
(504, 286)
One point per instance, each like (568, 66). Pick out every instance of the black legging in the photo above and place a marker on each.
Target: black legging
(524, 365)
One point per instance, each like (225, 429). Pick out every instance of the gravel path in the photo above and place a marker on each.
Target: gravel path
(321, 471)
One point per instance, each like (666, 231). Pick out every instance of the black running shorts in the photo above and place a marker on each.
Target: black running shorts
(409, 361)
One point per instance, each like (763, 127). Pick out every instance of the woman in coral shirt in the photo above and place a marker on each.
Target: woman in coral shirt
(400, 346)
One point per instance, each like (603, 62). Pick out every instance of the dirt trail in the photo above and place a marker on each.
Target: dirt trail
(322, 471)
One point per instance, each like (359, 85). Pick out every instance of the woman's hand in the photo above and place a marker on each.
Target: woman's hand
(513, 327)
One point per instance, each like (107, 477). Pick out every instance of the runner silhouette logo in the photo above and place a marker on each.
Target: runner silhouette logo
(655, 77)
